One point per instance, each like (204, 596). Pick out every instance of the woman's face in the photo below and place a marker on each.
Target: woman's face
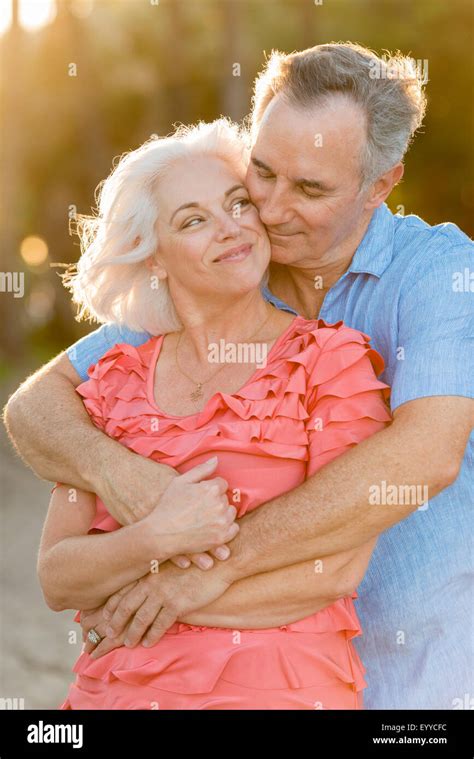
(210, 239)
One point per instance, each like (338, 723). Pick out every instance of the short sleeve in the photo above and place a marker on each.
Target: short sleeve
(346, 402)
(435, 351)
(87, 351)
(116, 386)
(95, 390)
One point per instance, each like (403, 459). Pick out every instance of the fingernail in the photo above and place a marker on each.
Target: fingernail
(205, 563)
(127, 642)
(222, 552)
(110, 632)
(184, 563)
(146, 643)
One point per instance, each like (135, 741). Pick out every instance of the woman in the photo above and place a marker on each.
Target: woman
(178, 250)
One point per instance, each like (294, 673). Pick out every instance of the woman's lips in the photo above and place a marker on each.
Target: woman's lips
(234, 255)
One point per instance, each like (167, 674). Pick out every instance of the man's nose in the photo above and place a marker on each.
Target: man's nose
(274, 209)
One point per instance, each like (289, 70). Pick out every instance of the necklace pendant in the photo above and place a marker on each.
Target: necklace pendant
(197, 393)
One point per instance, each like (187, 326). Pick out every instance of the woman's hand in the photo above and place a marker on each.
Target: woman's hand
(193, 514)
(94, 619)
(201, 560)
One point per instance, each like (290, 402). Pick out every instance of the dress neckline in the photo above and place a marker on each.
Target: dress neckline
(150, 382)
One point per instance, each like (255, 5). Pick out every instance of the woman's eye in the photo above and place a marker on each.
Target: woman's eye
(265, 176)
(242, 202)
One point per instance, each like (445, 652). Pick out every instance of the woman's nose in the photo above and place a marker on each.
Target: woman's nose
(227, 226)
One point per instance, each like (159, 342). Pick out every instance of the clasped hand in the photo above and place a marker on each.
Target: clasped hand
(147, 608)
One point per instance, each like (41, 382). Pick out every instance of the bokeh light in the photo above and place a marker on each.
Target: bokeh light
(40, 303)
(32, 14)
(34, 250)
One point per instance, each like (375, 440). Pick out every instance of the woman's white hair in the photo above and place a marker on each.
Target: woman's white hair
(112, 281)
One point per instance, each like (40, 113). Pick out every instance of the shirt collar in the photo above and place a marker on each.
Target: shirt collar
(280, 304)
(375, 250)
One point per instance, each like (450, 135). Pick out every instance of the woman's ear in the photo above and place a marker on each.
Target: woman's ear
(156, 267)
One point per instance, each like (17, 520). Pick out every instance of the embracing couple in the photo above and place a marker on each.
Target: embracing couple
(246, 534)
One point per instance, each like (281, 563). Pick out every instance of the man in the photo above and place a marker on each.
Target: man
(329, 139)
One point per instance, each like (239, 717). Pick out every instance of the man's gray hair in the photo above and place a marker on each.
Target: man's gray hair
(389, 91)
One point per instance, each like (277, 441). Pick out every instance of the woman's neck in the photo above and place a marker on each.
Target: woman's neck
(236, 321)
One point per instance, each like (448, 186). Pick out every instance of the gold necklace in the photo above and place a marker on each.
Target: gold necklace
(197, 392)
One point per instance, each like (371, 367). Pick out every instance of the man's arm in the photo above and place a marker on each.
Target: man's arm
(287, 594)
(53, 433)
(270, 599)
(331, 511)
(432, 400)
(264, 600)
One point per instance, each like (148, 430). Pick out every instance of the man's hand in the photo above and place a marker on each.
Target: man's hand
(155, 602)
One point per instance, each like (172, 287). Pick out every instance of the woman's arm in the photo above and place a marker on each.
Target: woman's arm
(80, 571)
(286, 594)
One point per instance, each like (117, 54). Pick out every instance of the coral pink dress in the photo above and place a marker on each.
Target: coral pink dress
(317, 396)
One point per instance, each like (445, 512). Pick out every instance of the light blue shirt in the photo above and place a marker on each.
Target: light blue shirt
(410, 287)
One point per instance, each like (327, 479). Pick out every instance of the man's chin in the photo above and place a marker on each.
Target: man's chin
(283, 254)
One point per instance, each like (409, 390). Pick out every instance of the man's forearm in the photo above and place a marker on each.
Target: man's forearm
(53, 433)
(283, 595)
(331, 511)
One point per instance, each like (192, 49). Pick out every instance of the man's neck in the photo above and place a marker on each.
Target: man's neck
(304, 288)
(300, 289)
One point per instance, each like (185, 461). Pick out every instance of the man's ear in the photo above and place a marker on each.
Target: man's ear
(384, 185)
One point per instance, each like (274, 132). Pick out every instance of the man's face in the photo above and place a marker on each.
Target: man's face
(304, 177)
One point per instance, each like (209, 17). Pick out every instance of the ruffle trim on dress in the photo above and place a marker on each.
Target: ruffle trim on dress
(184, 665)
(334, 383)
(320, 374)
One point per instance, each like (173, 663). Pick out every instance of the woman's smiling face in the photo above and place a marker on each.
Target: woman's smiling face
(210, 238)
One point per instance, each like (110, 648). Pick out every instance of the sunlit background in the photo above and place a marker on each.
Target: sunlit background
(32, 14)
(83, 81)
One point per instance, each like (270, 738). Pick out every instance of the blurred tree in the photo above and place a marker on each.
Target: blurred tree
(12, 159)
(141, 66)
